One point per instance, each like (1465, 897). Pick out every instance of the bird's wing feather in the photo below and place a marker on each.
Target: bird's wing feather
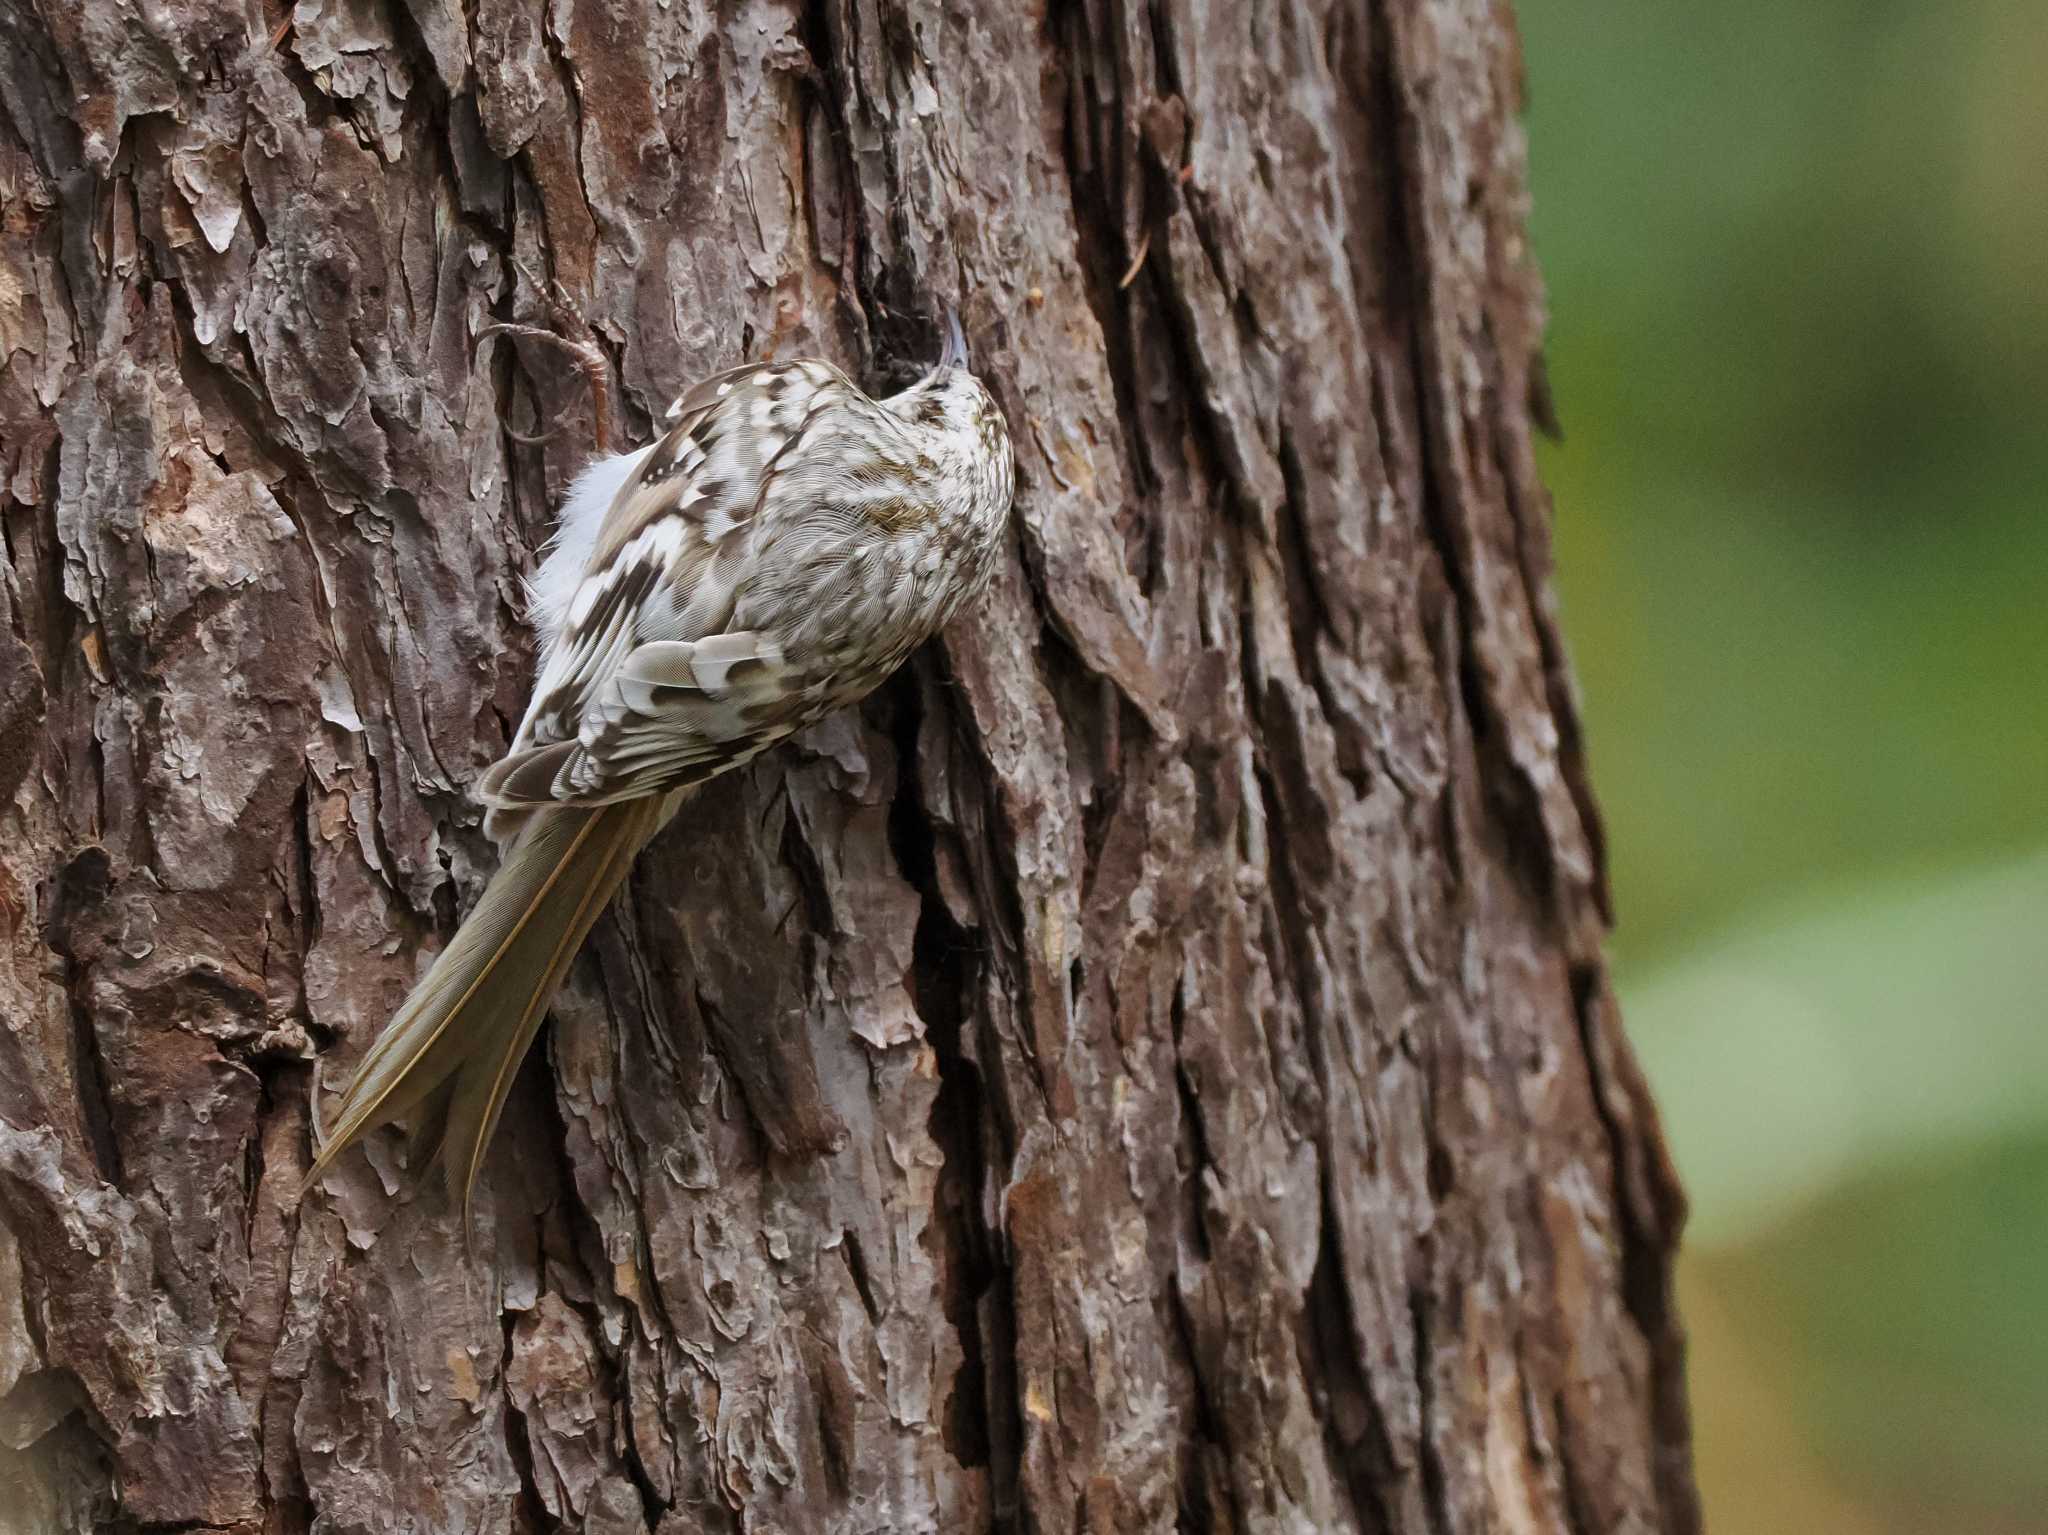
(647, 685)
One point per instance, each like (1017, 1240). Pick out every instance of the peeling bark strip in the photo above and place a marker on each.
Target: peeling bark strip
(1151, 1069)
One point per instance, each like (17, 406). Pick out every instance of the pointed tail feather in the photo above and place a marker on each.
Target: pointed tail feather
(456, 1044)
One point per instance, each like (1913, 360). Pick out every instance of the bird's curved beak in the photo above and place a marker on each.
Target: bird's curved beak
(955, 354)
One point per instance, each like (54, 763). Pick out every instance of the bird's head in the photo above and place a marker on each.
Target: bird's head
(952, 403)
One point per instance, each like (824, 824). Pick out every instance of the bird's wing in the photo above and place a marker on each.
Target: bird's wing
(647, 685)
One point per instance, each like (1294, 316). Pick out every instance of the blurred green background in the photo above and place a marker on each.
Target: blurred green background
(1797, 256)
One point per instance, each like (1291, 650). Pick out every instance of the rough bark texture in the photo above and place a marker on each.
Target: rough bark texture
(1152, 1068)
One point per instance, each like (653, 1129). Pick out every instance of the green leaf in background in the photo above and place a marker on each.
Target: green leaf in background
(1853, 1086)
(1875, 1029)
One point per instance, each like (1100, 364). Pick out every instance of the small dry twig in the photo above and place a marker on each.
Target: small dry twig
(588, 358)
(1137, 261)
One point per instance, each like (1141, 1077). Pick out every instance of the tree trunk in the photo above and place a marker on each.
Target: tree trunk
(1150, 1068)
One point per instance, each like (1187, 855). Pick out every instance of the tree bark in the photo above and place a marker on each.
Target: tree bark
(1151, 1068)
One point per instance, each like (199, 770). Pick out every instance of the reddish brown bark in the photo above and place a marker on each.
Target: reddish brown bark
(1151, 1068)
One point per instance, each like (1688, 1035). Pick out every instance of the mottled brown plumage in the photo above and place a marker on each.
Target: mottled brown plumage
(775, 555)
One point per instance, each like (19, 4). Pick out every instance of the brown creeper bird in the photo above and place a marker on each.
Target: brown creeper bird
(774, 556)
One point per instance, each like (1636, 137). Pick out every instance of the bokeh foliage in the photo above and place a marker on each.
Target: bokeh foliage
(1798, 264)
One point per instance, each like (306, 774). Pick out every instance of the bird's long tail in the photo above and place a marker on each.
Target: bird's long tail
(450, 1053)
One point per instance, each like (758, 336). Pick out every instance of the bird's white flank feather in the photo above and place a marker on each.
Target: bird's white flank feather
(552, 588)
